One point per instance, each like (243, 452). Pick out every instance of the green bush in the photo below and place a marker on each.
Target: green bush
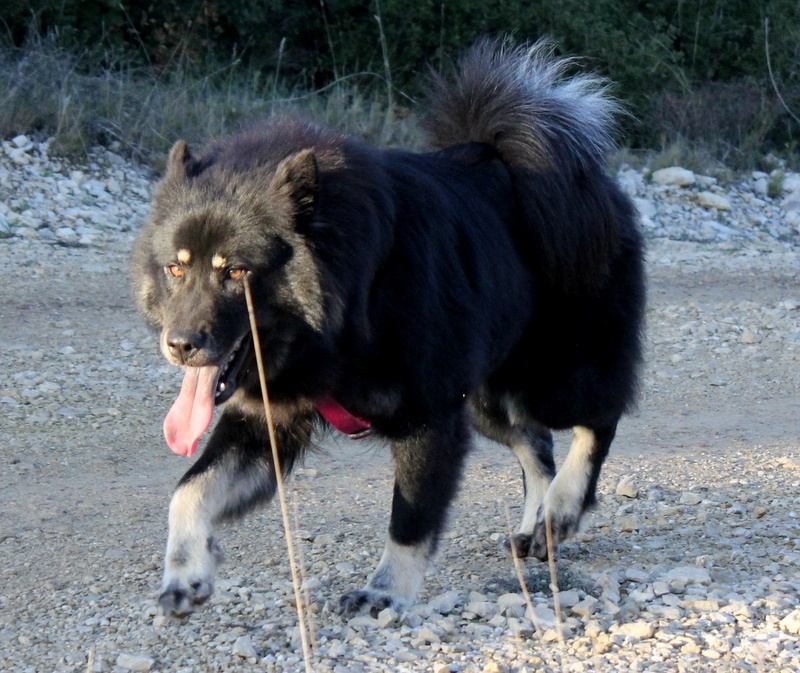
(690, 72)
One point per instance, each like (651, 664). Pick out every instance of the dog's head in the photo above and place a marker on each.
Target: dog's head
(213, 223)
(208, 227)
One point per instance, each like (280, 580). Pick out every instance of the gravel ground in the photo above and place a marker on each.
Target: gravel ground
(690, 562)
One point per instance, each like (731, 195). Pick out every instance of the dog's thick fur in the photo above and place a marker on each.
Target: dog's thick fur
(494, 283)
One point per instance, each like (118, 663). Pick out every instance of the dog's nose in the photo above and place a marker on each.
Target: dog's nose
(183, 346)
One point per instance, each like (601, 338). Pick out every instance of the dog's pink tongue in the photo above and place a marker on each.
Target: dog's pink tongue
(191, 413)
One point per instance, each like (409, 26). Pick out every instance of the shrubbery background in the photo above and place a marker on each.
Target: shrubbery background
(693, 72)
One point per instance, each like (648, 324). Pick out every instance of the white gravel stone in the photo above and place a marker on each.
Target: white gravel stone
(712, 200)
(135, 662)
(483, 609)
(791, 622)
(626, 488)
(689, 498)
(636, 575)
(243, 647)
(791, 203)
(630, 523)
(569, 598)
(647, 209)
(510, 600)
(687, 575)
(674, 175)
(445, 603)
(336, 649)
(387, 617)
(363, 621)
(791, 182)
(542, 616)
(640, 630)
(428, 635)
(585, 607)
(21, 141)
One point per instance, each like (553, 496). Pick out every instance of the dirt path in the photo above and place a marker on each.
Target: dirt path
(86, 479)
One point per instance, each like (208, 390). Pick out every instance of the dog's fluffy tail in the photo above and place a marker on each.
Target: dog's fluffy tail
(520, 100)
(554, 133)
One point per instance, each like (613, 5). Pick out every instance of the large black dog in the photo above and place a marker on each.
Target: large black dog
(494, 283)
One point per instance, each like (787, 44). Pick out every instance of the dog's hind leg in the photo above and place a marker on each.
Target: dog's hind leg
(532, 444)
(427, 471)
(534, 451)
(233, 475)
(573, 490)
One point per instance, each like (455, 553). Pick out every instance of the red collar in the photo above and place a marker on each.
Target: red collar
(343, 420)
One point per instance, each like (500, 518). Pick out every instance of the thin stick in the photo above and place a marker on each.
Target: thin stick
(312, 630)
(387, 122)
(298, 599)
(278, 70)
(771, 76)
(551, 562)
(90, 661)
(330, 41)
(521, 578)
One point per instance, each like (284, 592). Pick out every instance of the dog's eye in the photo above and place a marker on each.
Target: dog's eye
(234, 273)
(175, 270)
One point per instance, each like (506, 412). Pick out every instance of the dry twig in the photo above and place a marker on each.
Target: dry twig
(287, 529)
(772, 76)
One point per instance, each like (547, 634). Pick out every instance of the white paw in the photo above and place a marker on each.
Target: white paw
(188, 577)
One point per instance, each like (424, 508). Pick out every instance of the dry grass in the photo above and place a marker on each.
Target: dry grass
(140, 111)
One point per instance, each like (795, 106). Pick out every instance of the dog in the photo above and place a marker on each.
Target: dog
(493, 283)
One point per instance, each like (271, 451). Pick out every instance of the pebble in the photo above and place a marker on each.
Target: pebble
(585, 607)
(687, 575)
(336, 649)
(445, 603)
(630, 524)
(626, 488)
(428, 635)
(640, 630)
(363, 621)
(688, 498)
(135, 662)
(542, 616)
(712, 200)
(510, 602)
(791, 622)
(243, 647)
(387, 617)
(674, 175)
(636, 575)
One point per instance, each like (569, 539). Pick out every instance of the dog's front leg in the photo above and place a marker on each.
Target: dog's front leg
(234, 474)
(427, 471)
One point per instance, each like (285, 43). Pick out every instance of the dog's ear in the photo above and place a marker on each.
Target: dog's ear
(179, 160)
(296, 177)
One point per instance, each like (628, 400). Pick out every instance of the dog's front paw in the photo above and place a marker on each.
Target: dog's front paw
(189, 575)
(564, 523)
(180, 598)
(367, 600)
(520, 545)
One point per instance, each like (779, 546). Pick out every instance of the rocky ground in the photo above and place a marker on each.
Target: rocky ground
(690, 562)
